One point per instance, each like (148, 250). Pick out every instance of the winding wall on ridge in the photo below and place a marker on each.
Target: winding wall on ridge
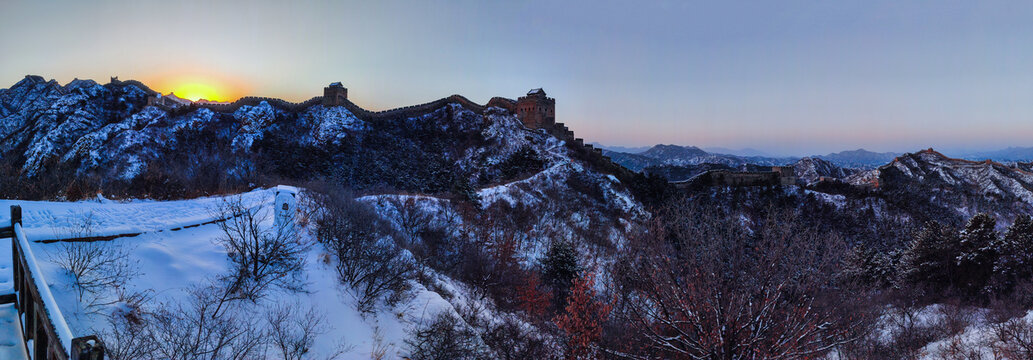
(558, 130)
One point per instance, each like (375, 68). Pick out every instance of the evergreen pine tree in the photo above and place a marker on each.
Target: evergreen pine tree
(866, 266)
(1016, 255)
(560, 269)
(978, 252)
(929, 259)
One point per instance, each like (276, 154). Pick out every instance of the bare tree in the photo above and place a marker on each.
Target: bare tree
(699, 286)
(261, 257)
(409, 216)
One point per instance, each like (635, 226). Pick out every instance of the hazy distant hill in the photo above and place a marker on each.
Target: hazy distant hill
(737, 152)
(1004, 155)
(860, 158)
(623, 149)
(675, 155)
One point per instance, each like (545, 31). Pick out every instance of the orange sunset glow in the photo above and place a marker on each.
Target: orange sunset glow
(196, 88)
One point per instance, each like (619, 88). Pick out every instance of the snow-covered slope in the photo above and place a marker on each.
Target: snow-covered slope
(172, 262)
(810, 170)
(75, 140)
(958, 187)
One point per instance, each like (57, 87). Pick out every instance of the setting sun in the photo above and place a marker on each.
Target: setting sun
(196, 87)
(197, 91)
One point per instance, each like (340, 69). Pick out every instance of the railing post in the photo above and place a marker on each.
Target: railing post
(16, 215)
(16, 218)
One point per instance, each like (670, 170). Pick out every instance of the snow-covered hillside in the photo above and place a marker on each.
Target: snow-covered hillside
(811, 170)
(75, 140)
(171, 263)
(960, 188)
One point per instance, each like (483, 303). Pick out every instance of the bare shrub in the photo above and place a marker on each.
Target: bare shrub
(953, 318)
(292, 332)
(513, 339)
(126, 337)
(409, 216)
(369, 260)
(909, 333)
(261, 258)
(99, 269)
(697, 284)
(379, 349)
(955, 348)
(445, 337)
(1014, 338)
(203, 328)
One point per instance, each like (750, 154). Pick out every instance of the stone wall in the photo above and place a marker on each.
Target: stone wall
(778, 176)
(543, 119)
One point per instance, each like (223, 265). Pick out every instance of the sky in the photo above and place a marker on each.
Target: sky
(785, 77)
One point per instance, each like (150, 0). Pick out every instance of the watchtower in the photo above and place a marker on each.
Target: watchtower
(335, 94)
(536, 110)
(786, 174)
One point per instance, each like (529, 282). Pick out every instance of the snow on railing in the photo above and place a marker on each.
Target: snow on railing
(64, 334)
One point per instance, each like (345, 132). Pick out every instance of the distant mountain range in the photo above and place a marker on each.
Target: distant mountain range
(638, 158)
(860, 158)
(675, 155)
(737, 152)
(1011, 154)
(623, 149)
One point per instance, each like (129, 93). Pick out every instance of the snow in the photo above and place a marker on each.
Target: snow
(978, 337)
(63, 333)
(332, 124)
(171, 262)
(11, 345)
(833, 199)
(508, 192)
(44, 220)
(254, 120)
(6, 268)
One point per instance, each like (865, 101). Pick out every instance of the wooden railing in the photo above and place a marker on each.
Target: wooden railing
(42, 324)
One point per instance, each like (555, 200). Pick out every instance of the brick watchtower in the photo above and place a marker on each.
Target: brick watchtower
(335, 95)
(536, 110)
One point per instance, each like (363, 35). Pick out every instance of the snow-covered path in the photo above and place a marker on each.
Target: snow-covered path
(45, 220)
(11, 346)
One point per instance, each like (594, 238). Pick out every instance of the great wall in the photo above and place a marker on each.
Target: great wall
(536, 110)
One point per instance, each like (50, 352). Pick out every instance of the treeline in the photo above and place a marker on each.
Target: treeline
(976, 262)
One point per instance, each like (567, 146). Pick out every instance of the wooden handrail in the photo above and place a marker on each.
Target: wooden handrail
(41, 318)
